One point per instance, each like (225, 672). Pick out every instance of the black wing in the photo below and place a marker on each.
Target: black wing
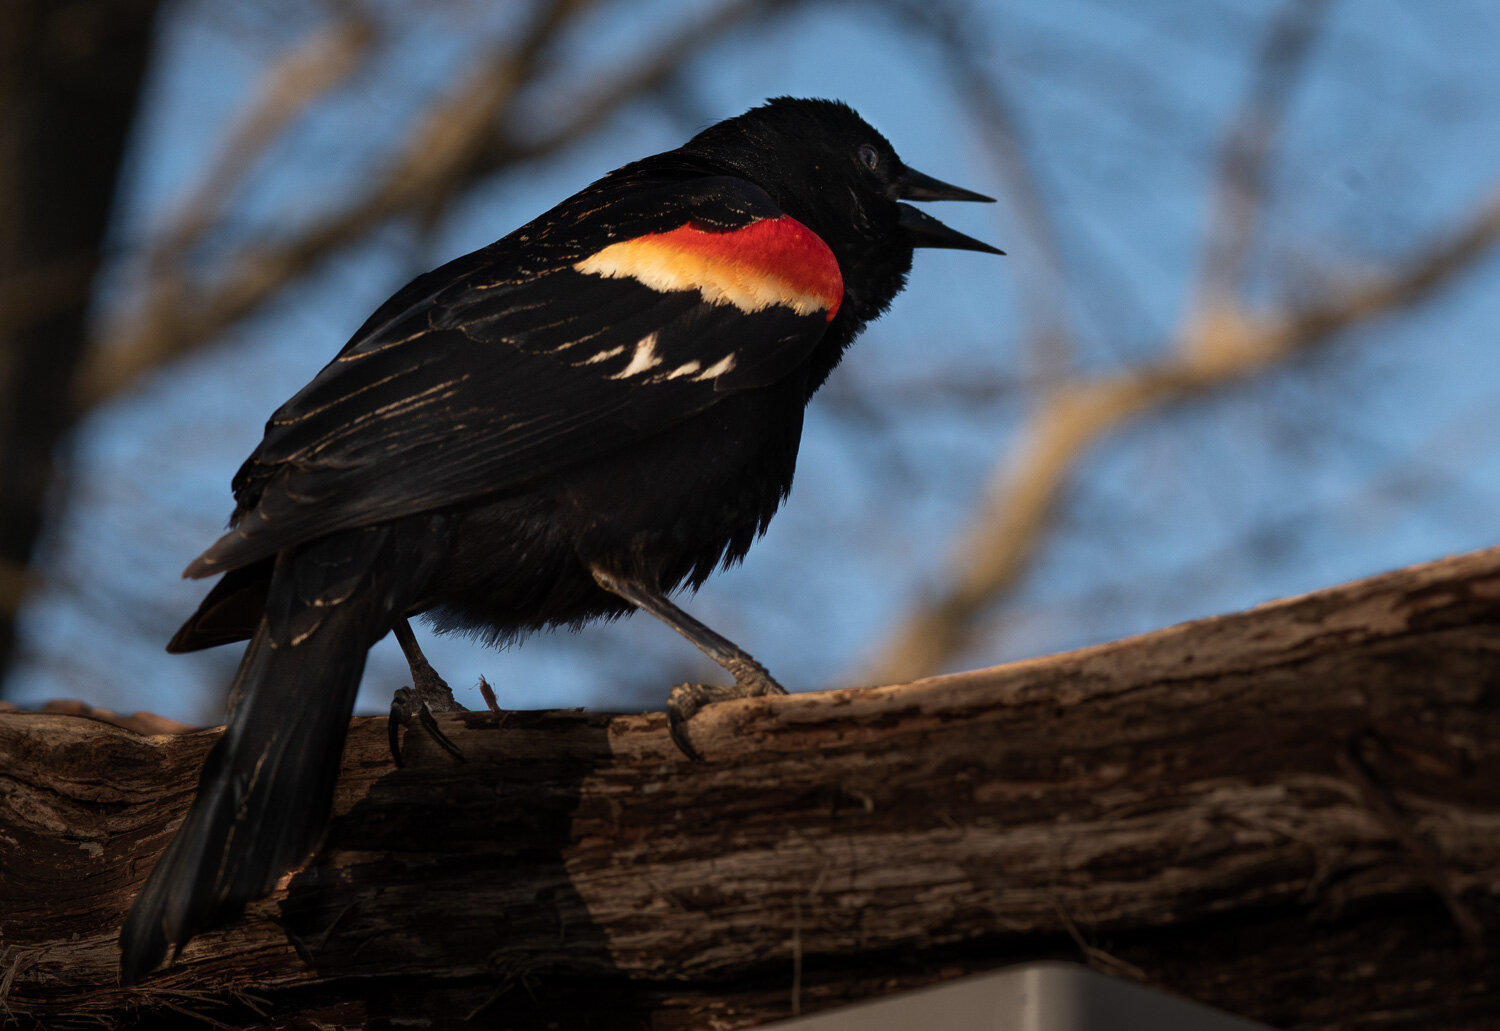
(512, 363)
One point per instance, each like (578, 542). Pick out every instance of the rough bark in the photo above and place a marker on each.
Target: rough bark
(1292, 813)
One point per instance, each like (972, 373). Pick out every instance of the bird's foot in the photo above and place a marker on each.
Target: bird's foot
(750, 677)
(750, 681)
(428, 694)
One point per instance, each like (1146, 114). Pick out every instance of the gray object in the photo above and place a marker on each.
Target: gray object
(1035, 997)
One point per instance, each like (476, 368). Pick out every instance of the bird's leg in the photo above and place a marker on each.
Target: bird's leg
(429, 693)
(750, 677)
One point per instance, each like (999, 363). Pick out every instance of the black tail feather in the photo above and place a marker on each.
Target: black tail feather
(231, 611)
(266, 789)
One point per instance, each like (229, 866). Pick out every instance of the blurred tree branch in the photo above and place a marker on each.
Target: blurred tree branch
(1222, 344)
(326, 58)
(1044, 299)
(518, 91)
(992, 555)
(70, 76)
(1250, 147)
(463, 137)
(78, 65)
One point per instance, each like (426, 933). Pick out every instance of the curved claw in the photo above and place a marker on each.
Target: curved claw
(682, 704)
(687, 700)
(407, 705)
(750, 677)
(428, 692)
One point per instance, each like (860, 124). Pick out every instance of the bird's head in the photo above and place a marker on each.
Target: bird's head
(831, 170)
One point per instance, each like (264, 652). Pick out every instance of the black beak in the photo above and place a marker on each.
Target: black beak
(921, 228)
(913, 185)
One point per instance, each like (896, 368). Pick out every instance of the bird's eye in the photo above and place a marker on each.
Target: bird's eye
(868, 156)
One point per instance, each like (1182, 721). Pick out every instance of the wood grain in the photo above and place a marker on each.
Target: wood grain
(1292, 813)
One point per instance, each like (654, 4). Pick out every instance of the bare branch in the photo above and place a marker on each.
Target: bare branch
(1166, 807)
(1250, 146)
(1044, 299)
(30, 295)
(327, 57)
(461, 139)
(1213, 354)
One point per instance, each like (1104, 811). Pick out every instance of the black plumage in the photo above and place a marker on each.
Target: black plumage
(597, 409)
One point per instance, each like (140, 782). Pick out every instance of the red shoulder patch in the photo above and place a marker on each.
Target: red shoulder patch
(770, 261)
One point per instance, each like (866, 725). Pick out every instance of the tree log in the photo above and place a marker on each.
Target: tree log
(1291, 813)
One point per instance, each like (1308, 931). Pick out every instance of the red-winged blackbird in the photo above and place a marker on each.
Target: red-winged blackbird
(560, 427)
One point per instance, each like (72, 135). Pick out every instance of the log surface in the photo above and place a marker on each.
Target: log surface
(1292, 813)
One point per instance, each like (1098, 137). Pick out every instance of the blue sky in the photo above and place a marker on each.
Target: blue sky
(1375, 453)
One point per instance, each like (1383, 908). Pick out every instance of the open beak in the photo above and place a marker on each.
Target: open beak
(921, 228)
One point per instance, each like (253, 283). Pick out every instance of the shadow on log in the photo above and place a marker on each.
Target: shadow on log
(1291, 813)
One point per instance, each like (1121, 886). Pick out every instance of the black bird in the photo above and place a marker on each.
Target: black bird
(562, 426)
